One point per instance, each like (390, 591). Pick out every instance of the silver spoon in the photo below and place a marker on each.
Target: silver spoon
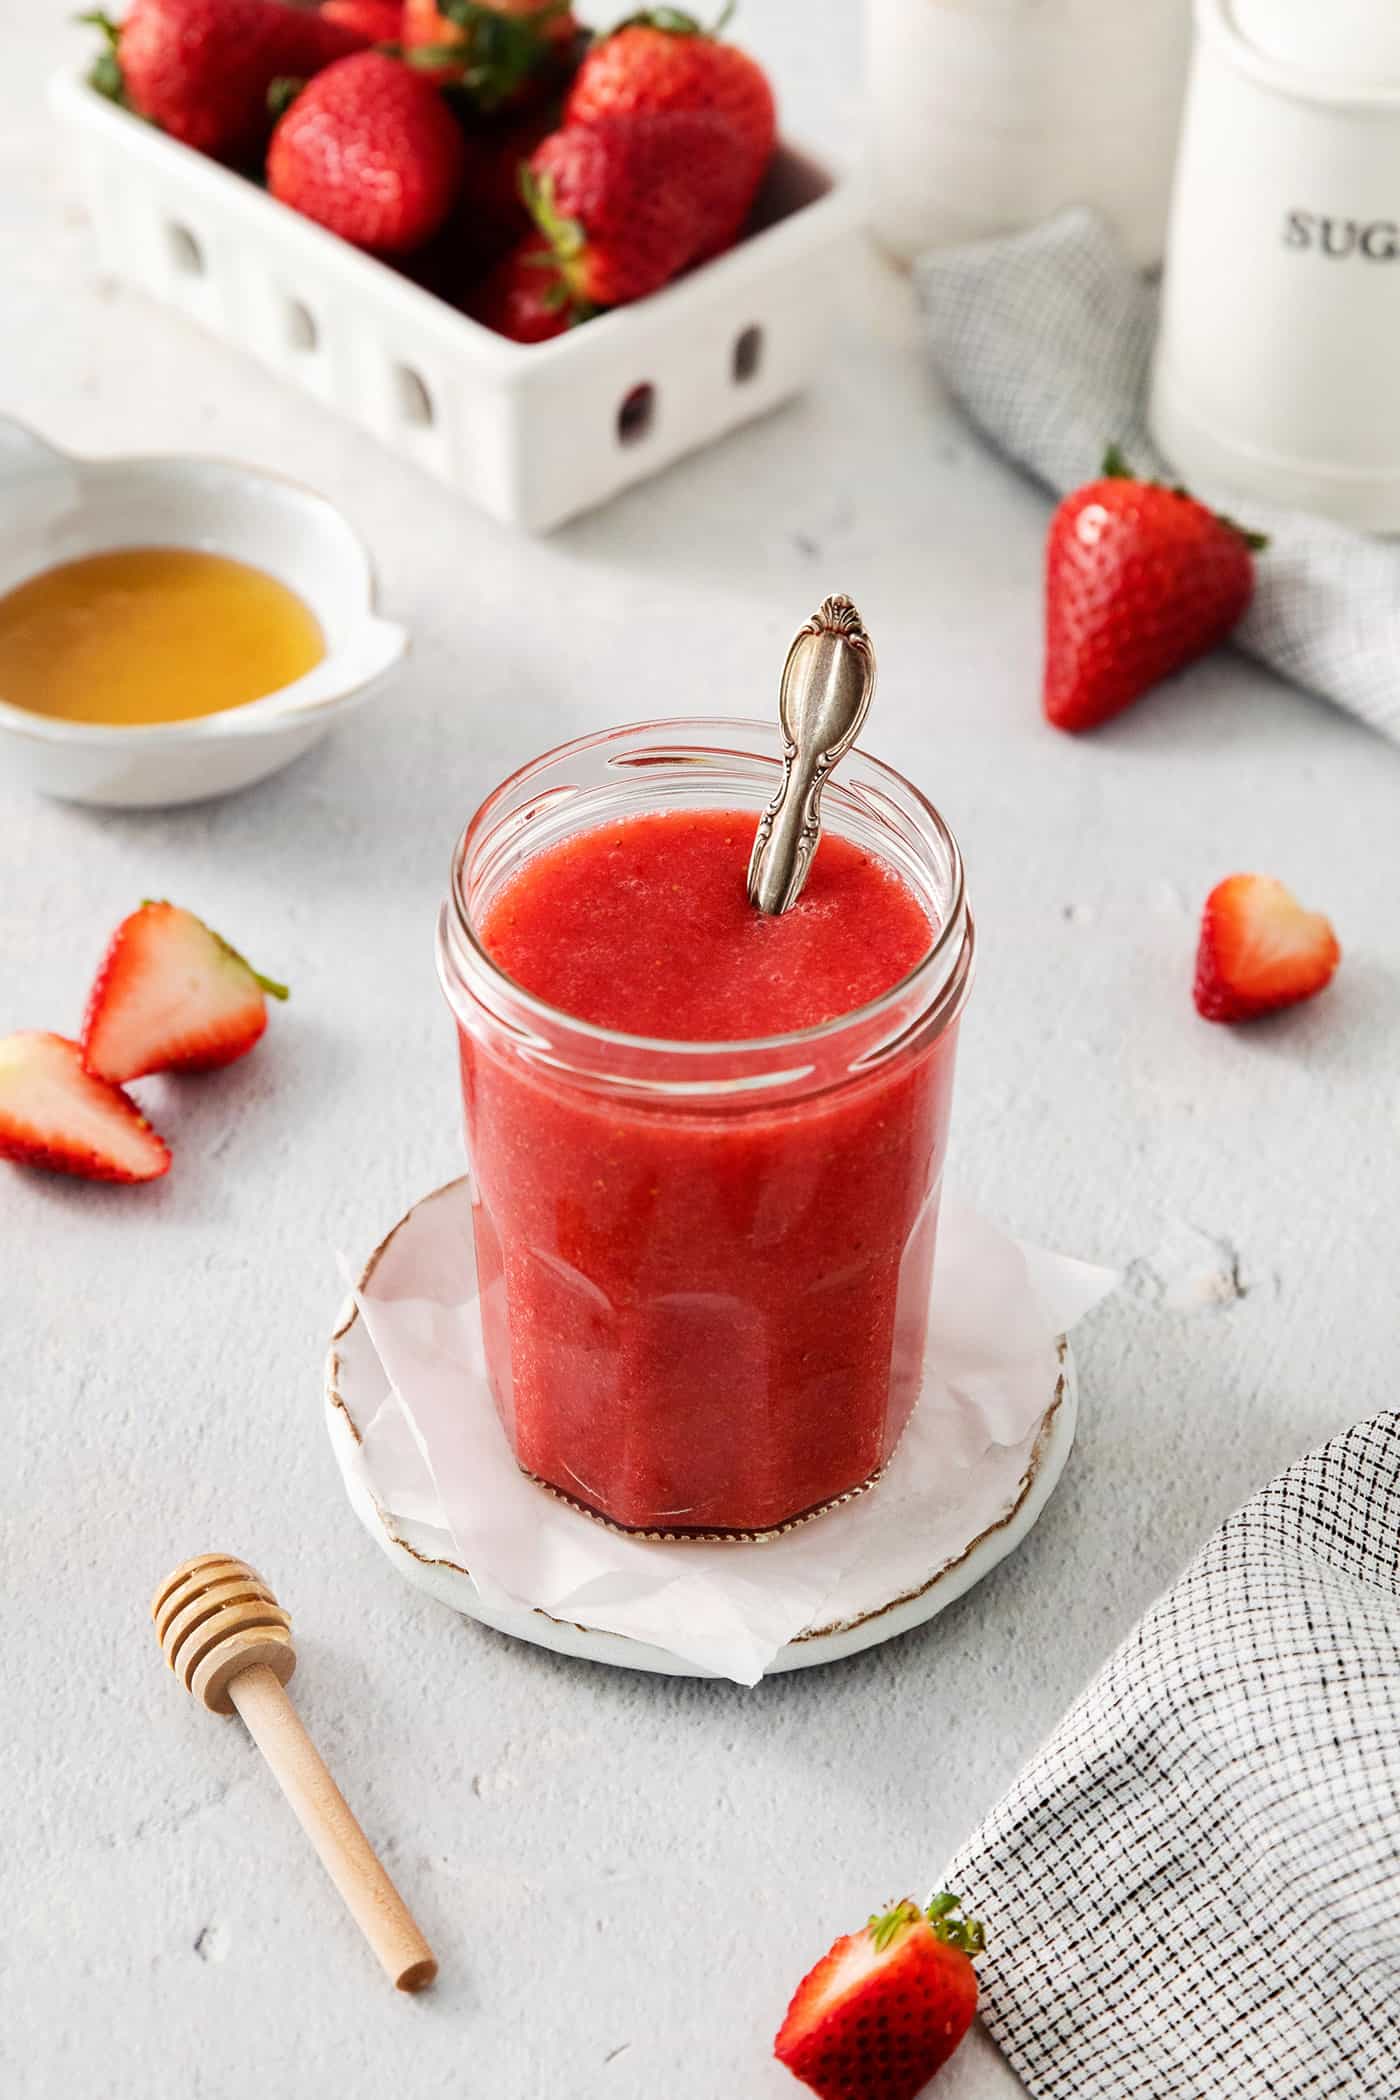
(828, 685)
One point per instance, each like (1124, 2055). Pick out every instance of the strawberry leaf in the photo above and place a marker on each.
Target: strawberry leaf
(282, 93)
(966, 1934)
(673, 21)
(883, 1927)
(105, 73)
(1255, 541)
(1115, 468)
(428, 57)
(498, 52)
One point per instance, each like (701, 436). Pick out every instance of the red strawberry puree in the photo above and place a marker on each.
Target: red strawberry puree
(697, 1315)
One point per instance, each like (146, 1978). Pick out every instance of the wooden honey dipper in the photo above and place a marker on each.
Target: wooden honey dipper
(229, 1642)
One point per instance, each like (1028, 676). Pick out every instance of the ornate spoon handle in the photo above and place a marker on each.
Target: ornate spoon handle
(828, 685)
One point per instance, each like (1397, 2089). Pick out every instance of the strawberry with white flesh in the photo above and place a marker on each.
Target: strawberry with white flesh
(54, 1114)
(1260, 950)
(172, 996)
(887, 2006)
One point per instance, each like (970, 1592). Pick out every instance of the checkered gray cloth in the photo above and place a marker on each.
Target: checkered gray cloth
(1046, 339)
(1194, 1889)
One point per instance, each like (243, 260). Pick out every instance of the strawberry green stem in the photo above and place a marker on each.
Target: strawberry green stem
(96, 19)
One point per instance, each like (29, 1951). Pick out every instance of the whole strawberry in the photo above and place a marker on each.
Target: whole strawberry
(524, 297)
(1139, 581)
(201, 69)
(371, 151)
(886, 2007)
(662, 61)
(499, 51)
(629, 202)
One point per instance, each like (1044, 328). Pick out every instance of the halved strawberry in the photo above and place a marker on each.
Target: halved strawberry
(54, 1114)
(1260, 950)
(886, 2007)
(171, 996)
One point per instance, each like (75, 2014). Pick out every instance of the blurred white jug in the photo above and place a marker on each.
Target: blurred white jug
(1276, 369)
(986, 115)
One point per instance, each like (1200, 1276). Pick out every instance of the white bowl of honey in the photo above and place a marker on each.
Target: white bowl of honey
(173, 628)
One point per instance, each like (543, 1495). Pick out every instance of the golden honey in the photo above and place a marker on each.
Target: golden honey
(151, 634)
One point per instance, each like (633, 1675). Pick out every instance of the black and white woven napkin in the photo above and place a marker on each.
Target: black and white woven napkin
(1194, 1889)
(1046, 339)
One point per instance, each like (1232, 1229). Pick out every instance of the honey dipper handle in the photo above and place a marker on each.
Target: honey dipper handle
(324, 1814)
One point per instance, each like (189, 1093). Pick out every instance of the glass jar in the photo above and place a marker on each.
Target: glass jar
(704, 1268)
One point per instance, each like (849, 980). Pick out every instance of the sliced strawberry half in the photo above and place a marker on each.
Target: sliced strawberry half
(1260, 950)
(886, 2007)
(54, 1114)
(171, 996)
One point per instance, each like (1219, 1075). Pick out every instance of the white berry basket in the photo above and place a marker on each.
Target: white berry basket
(533, 434)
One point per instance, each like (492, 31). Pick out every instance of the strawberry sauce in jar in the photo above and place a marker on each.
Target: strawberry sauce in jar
(706, 1145)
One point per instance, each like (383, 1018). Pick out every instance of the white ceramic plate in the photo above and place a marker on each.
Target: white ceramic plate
(355, 1388)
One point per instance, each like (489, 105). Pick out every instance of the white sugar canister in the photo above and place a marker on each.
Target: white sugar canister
(1276, 367)
(983, 116)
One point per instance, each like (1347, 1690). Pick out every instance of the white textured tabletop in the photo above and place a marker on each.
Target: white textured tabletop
(623, 1877)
